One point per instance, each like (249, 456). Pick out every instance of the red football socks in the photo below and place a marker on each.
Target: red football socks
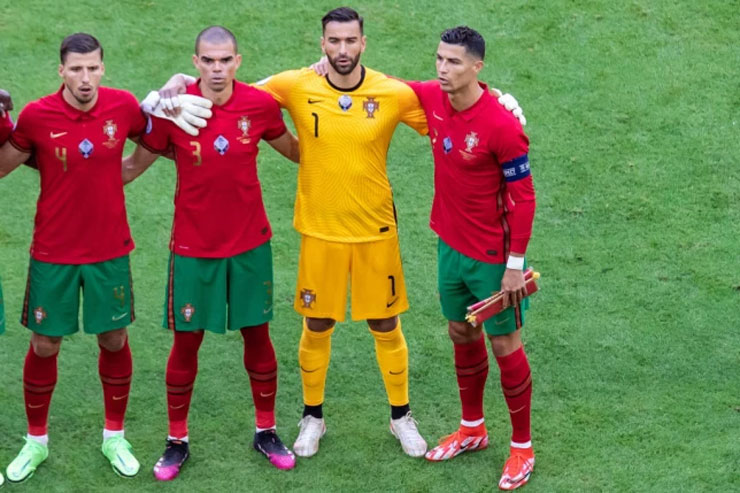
(39, 379)
(182, 368)
(516, 383)
(261, 366)
(471, 367)
(115, 370)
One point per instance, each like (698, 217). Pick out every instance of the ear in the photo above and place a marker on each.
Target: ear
(61, 70)
(323, 50)
(363, 42)
(238, 59)
(478, 66)
(102, 69)
(195, 61)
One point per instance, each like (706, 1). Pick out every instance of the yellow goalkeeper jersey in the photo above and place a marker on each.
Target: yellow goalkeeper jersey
(343, 190)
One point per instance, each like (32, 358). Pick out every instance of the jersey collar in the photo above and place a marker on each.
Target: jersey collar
(235, 87)
(73, 113)
(357, 86)
(473, 111)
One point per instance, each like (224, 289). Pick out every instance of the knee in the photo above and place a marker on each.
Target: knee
(505, 344)
(44, 346)
(319, 324)
(383, 324)
(462, 332)
(114, 340)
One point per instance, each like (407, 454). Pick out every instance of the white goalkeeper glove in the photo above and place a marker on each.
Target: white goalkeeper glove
(193, 113)
(511, 104)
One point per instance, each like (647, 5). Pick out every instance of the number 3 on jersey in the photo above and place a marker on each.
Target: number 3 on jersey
(198, 159)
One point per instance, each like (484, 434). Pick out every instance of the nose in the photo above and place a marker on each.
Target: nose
(85, 75)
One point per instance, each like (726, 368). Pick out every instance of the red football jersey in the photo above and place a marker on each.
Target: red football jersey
(483, 194)
(6, 126)
(218, 201)
(81, 210)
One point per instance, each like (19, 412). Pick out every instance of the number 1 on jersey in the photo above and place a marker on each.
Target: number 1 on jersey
(315, 124)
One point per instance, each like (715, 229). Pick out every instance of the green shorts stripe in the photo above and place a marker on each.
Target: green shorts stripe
(218, 293)
(463, 281)
(52, 302)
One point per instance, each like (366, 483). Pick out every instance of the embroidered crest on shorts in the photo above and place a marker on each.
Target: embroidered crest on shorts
(221, 145)
(370, 106)
(86, 147)
(243, 125)
(187, 311)
(110, 130)
(39, 314)
(345, 102)
(308, 297)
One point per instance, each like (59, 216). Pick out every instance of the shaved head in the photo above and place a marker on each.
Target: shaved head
(215, 35)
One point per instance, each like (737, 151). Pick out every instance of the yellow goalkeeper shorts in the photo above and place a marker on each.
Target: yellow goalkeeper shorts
(325, 268)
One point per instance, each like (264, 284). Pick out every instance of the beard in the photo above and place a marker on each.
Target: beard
(80, 97)
(346, 69)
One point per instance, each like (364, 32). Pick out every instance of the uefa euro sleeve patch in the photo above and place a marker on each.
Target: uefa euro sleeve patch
(516, 169)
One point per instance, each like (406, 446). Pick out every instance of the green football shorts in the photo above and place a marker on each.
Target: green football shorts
(200, 291)
(464, 281)
(52, 303)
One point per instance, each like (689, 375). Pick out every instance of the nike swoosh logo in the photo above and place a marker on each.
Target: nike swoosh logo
(396, 373)
(388, 305)
(309, 371)
(31, 406)
(116, 319)
(119, 397)
(265, 312)
(267, 395)
(177, 407)
(314, 101)
(503, 321)
(437, 117)
(57, 135)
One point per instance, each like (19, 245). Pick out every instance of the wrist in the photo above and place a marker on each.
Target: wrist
(516, 263)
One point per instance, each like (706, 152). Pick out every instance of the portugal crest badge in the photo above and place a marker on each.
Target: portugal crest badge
(110, 129)
(243, 125)
(471, 140)
(187, 312)
(370, 106)
(307, 298)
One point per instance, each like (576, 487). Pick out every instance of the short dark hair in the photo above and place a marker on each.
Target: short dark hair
(79, 43)
(216, 34)
(342, 14)
(469, 38)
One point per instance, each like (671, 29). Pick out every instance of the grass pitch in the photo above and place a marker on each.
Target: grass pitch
(633, 112)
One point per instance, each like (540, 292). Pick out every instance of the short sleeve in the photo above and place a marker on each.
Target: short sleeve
(279, 85)
(275, 126)
(510, 145)
(412, 113)
(156, 137)
(6, 127)
(22, 136)
(136, 116)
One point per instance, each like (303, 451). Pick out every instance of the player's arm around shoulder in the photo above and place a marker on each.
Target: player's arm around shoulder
(136, 163)
(281, 85)
(11, 156)
(409, 106)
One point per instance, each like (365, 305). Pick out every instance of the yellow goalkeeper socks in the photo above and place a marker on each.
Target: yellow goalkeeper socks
(393, 360)
(314, 352)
